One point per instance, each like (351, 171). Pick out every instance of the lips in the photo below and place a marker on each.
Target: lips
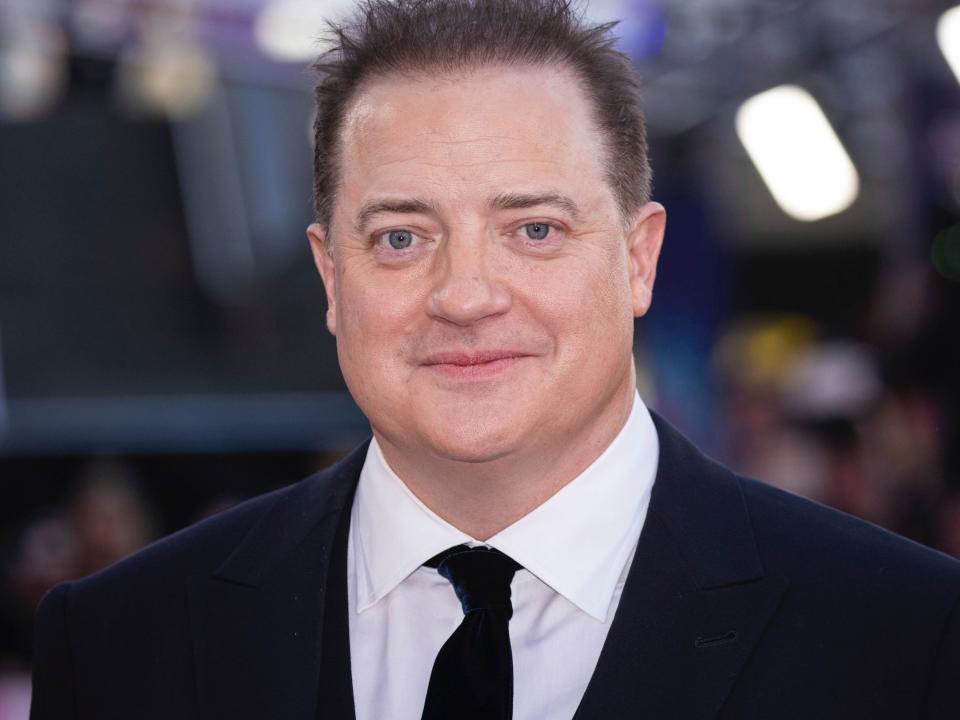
(475, 364)
(465, 359)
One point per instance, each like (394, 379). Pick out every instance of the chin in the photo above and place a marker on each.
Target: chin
(473, 440)
(473, 455)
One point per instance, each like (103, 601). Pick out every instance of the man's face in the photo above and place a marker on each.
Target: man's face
(482, 282)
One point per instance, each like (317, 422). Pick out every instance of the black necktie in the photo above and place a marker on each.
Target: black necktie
(472, 677)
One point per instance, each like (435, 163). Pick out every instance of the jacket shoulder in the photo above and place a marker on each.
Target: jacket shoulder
(813, 542)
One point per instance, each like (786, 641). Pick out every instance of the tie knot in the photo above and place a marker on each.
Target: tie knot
(480, 576)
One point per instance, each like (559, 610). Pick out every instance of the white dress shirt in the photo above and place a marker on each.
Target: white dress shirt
(575, 550)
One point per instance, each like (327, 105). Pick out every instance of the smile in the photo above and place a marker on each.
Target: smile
(473, 365)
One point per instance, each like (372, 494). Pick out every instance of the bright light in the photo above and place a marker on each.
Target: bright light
(948, 37)
(171, 79)
(290, 30)
(33, 72)
(797, 153)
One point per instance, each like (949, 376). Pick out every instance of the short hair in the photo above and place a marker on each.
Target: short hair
(387, 37)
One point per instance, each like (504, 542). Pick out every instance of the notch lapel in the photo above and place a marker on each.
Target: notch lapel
(257, 621)
(696, 599)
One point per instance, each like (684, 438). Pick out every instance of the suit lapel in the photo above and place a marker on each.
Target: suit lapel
(696, 599)
(695, 603)
(257, 621)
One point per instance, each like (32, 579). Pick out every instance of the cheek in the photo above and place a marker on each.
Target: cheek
(585, 299)
(375, 314)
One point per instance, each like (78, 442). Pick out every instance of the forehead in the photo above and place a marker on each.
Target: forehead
(461, 136)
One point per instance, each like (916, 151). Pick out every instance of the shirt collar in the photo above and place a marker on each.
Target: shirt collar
(577, 542)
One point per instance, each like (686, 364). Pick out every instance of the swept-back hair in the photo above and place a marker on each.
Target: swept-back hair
(407, 37)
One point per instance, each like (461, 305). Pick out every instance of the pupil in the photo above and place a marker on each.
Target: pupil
(400, 239)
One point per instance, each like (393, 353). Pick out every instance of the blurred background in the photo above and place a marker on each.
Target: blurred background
(163, 352)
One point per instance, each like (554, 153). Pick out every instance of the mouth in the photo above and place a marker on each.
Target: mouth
(473, 365)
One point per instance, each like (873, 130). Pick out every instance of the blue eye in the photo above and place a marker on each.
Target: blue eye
(536, 231)
(400, 239)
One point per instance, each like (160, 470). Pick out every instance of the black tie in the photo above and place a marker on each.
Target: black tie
(472, 677)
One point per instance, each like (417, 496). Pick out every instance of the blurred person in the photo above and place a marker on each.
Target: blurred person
(105, 521)
(902, 445)
(913, 322)
(754, 359)
(109, 516)
(44, 554)
(816, 418)
(829, 392)
(521, 537)
(47, 554)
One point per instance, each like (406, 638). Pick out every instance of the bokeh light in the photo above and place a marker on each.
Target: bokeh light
(797, 153)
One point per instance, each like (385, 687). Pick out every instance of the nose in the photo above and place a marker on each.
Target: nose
(464, 290)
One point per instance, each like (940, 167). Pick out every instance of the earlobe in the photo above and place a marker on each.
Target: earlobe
(323, 259)
(644, 241)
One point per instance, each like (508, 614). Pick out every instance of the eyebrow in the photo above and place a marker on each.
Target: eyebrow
(519, 201)
(399, 205)
(503, 201)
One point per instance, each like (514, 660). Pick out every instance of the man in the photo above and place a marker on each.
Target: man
(521, 537)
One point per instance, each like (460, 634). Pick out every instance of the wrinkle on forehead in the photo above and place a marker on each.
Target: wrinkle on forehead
(489, 137)
(436, 146)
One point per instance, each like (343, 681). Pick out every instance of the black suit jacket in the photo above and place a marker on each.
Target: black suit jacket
(742, 602)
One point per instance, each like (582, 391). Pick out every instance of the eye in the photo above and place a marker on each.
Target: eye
(398, 239)
(536, 231)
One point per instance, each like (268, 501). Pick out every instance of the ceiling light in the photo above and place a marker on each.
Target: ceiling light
(948, 37)
(797, 153)
(290, 30)
(173, 79)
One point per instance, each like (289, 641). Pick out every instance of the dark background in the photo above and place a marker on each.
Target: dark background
(163, 351)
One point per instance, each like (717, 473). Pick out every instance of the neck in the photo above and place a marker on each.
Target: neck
(483, 498)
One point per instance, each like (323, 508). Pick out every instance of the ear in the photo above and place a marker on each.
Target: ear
(644, 239)
(323, 259)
